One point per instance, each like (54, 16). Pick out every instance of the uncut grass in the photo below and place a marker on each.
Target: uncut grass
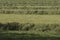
(25, 36)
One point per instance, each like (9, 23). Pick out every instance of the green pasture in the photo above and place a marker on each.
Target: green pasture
(32, 2)
(4, 18)
(11, 11)
(16, 35)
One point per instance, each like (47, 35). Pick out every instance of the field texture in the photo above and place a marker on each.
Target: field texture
(29, 18)
(40, 7)
(40, 31)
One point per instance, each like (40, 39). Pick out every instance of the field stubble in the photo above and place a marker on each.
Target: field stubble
(4, 18)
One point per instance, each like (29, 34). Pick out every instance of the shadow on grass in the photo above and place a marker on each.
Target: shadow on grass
(24, 36)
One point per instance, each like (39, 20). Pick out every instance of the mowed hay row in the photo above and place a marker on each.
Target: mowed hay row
(40, 7)
(29, 18)
(30, 2)
(37, 10)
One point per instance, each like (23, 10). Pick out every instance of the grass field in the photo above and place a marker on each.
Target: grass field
(16, 35)
(40, 7)
(32, 34)
(29, 19)
(4, 18)
(32, 2)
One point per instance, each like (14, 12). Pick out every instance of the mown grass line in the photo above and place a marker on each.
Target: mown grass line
(4, 18)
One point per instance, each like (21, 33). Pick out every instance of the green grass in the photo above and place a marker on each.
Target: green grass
(30, 35)
(40, 7)
(15, 7)
(16, 35)
(9, 6)
(4, 18)
(32, 2)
